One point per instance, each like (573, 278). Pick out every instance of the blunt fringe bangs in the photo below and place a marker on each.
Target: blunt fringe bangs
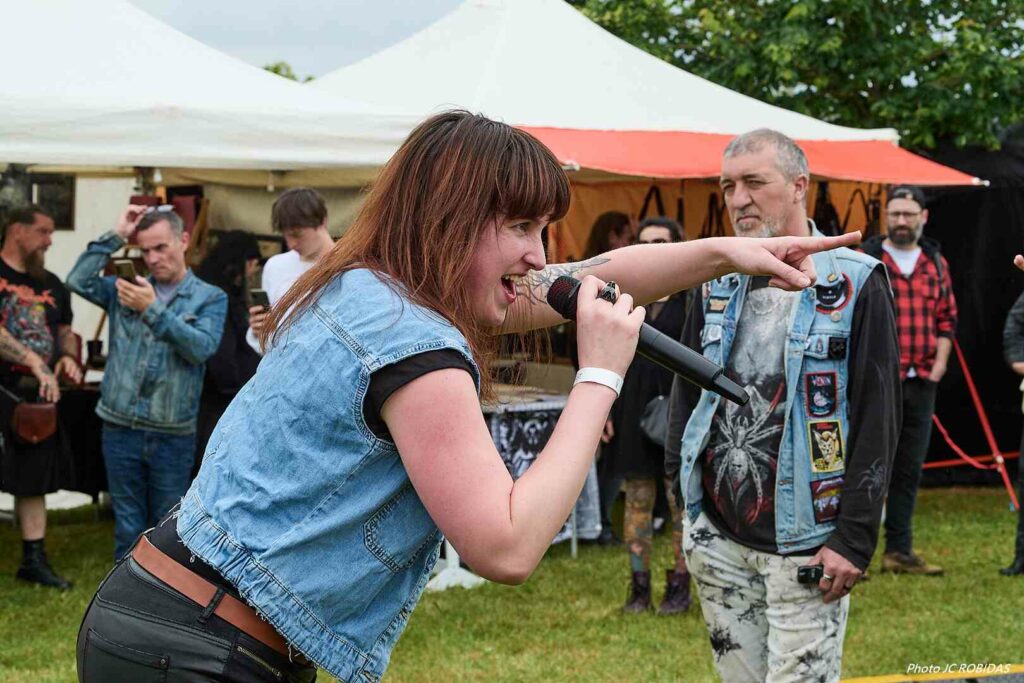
(456, 175)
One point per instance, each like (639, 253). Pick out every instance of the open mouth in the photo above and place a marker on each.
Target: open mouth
(508, 283)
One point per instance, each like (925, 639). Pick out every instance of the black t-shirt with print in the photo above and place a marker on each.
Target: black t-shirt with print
(31, 311)
(740, 459)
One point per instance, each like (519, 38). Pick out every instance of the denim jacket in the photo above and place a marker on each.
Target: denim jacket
(154, 371)
(811, 458)
(307, 513)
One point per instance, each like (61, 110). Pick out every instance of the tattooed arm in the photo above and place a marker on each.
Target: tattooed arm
(13, 351)
(649, 272)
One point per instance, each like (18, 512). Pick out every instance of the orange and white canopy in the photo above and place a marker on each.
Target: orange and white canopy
(600, 102)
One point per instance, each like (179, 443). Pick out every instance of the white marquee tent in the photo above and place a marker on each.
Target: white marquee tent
(103, 84)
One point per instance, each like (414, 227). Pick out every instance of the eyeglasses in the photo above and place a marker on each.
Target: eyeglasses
(163, 208)
(906, 215)
(659, 240)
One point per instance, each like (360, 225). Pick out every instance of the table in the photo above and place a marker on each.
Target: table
(521, 422)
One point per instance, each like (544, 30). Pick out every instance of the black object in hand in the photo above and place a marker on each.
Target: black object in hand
(657, 348)
(810, 574)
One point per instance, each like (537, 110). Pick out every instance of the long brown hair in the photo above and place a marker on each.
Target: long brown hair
(454, 176)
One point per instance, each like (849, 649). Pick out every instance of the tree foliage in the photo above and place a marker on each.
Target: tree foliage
(285, 70)
(933, 69)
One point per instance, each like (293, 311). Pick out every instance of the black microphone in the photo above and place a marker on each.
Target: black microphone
(658, 348)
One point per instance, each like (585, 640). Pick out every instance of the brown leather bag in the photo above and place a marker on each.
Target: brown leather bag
(34, 422)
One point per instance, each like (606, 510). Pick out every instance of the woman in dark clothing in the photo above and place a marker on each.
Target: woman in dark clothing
(234, 258)
(633, 457)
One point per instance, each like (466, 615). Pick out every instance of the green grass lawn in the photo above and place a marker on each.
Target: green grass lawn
(564, 624)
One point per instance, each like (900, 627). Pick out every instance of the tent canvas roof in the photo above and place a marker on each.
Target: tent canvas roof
(598, 101)
(115, 87)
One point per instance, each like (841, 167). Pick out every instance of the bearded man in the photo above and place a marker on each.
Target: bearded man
(36, 346)
(926, 319)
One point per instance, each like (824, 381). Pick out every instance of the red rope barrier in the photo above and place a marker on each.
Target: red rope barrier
(999, 460)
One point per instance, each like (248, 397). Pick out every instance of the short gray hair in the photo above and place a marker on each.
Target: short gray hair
(154, 217)
(789, 158)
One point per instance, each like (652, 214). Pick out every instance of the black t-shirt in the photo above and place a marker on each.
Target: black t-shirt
(740, 460)
(391, 378)
(31, 310)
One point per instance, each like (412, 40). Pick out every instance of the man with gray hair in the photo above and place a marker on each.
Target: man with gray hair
(162, 330)
(784, 495)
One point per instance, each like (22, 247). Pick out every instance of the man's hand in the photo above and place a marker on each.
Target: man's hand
(138, 296)
(69, 367)
(839, 574)
(128, 219)
(787, 260)
(938, 372)
(609, 432)
(257, 318)
(49, 390)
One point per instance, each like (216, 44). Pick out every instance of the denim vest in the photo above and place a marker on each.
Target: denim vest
(299, 505)
(811, 458)
(157, 359)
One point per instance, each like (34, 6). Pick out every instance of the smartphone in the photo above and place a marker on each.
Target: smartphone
(125, 269)
(259, 298)
(811, 574)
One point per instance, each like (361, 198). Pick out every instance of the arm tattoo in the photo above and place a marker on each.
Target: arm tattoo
(11, 349)
(536, 285)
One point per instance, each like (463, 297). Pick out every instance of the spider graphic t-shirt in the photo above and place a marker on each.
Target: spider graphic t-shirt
(743, 445)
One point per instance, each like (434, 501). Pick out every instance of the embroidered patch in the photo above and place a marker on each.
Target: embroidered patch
(833, 297)
(717, 304)
(825, 495)
(837, 348)
(821, 393)
(825, 439)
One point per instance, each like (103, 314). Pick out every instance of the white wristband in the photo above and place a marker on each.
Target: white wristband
(600, 376)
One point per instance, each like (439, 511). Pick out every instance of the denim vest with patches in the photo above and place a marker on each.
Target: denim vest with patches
(299, 505)
(812, 451)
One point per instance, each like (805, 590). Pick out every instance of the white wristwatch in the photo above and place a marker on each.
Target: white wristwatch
(600, 376)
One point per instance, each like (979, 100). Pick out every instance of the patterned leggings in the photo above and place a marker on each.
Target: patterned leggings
(639, 523)
(763, 624)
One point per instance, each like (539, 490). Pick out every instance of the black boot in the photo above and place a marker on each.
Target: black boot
(1016, 567)
(677, 593)
(35, 567)
(639, 599)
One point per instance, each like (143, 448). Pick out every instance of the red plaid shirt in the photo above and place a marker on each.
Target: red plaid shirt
(923, 314)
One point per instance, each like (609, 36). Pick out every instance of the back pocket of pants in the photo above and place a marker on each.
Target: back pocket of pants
(106, 660)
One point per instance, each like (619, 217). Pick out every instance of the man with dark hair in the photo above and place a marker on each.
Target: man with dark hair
(300, 215)
(36, 346)
(795, 479)
(926, 319)
(162, 330)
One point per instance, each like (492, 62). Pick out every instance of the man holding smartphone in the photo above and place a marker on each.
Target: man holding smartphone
(37, 346)
(300, 215)
(162, 330)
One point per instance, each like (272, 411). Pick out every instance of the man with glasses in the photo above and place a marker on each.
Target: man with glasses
(162, 330)
(300, 215)
(926, 319)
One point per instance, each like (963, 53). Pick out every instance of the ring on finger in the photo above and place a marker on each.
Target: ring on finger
(608, 292)
(827, 577)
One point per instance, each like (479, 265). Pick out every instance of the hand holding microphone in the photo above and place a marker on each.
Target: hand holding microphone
(609, 327)
(571, 299)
